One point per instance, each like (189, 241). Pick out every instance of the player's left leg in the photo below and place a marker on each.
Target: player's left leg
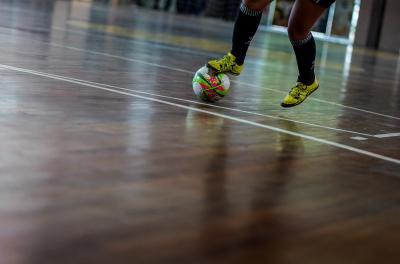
(303, 17)
(246, 25)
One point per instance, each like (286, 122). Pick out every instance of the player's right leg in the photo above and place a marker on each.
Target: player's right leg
(304, 15)
(246, 26)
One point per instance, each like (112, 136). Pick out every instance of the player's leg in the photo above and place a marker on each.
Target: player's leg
(303, 17)
(156, 4)
(167, 5)
(138, 2)
(246, 26)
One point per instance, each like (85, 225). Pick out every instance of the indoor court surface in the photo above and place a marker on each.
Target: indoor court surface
(108, 157)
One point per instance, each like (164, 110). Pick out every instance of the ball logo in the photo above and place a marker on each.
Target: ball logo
(214, 81)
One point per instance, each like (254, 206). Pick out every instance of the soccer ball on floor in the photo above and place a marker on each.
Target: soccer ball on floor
(210, 87)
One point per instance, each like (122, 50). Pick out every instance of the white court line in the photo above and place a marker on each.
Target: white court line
(388, 135)
(186, 71)
(146, 42)
(215, 106)
(359, 138)
(190, 72)
(239, 120)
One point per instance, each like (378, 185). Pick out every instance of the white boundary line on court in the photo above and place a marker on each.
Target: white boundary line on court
(145, 42)
(199, 103)
(239, 120)
(217, 106)
(234, 81)
(359, 138)
(180, 99)
(387, 135)
(190, 72)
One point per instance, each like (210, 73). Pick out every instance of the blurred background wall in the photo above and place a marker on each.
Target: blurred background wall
(367, 23)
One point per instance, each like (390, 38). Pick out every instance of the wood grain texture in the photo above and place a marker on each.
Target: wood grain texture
(90, 176)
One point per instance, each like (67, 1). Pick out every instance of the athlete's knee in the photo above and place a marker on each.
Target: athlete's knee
(257, 4)
(297, 32)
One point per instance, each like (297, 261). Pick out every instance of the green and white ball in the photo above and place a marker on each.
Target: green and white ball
(210, 87)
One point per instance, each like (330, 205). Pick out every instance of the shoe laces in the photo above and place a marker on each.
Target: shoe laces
(226, 62)
(296, 90)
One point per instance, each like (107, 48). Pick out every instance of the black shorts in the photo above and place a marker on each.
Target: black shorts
(325, 3)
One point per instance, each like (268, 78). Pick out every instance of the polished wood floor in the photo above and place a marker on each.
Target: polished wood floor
(107, 156)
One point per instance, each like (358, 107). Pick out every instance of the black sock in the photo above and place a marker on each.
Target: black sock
(305, 51)
(246, 26)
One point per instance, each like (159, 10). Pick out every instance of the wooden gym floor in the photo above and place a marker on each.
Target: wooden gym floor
(107, 157)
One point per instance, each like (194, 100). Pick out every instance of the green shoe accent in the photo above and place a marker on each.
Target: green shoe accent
(299, 93)
(226, 64)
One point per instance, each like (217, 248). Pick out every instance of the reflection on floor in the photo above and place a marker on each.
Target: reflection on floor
(107, 156)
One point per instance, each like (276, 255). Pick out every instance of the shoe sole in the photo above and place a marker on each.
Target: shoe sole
(291, 105)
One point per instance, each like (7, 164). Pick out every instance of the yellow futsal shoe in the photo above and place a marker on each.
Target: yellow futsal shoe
(226, 65)
(299, 93)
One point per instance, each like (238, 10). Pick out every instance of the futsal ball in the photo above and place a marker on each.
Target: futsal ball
(210, 87)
